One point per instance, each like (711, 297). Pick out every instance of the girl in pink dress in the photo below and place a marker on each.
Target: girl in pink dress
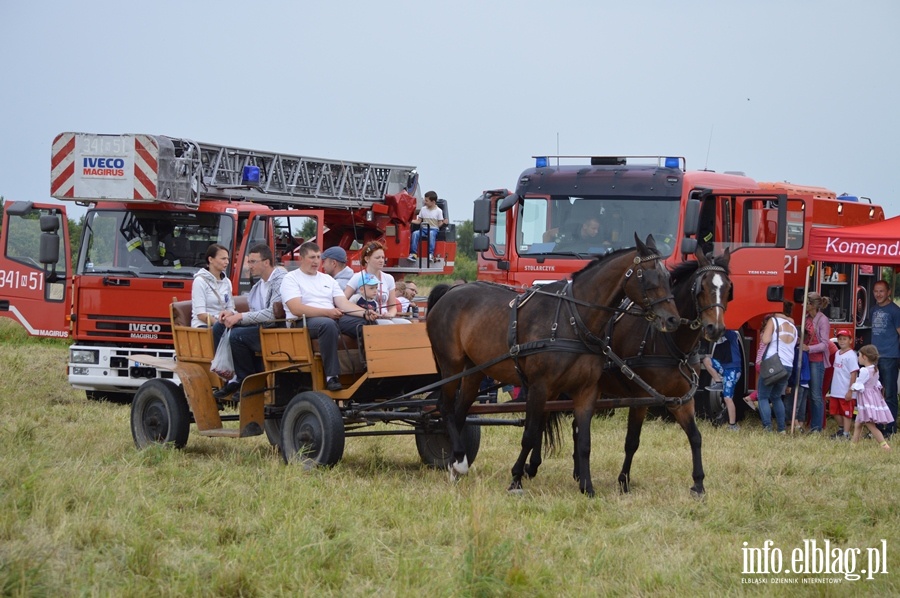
(870, 406)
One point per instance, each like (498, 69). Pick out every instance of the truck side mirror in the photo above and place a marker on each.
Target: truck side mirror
(481, 243)
(691, 218)
(688, 245)
(481, 216)
(49, 248)
(508, 202)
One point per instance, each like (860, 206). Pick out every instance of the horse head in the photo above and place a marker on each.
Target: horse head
(710, 291)
(647, 284)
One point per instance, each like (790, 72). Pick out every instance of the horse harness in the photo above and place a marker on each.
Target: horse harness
(587, 341)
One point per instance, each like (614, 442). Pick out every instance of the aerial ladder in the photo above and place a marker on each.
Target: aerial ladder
(157, 168)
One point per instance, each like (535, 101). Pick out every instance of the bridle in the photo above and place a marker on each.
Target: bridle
(697, 288)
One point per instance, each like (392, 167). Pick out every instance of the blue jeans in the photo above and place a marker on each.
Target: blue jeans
(816, 401)
(432, 239)
(887, 375)
(772, 394)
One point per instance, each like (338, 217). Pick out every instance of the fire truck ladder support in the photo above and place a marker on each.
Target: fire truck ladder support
(297, 179)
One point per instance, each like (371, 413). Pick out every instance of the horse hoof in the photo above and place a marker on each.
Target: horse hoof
(698, 491)
(516, 488)
(461, 467)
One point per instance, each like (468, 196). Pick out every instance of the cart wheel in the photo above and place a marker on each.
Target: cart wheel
(160, 415)
(312, 431)
(435, 449)
(272, 427)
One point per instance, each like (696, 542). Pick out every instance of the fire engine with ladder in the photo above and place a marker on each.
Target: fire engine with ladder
(155, 204)
(534, 235)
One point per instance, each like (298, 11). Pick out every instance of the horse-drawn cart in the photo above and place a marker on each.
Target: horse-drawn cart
(391, 376)
(288, 401)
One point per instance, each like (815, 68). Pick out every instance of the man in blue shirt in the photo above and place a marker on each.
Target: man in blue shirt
(885, 316)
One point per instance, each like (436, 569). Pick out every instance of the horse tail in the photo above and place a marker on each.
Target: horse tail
(552, 435)
(436, 293)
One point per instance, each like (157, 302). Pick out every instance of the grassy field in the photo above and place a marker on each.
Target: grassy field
(83, 513)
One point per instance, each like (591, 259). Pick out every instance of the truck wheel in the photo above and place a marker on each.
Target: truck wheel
(312, 431)
(435, 450)
(119, 398)
(160, 415)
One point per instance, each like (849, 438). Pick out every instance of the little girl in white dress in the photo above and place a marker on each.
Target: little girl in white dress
(870, 406)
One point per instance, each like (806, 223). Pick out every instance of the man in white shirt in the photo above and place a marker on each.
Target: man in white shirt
(316, 295)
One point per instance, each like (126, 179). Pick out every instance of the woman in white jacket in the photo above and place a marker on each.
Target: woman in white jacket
(211, 293)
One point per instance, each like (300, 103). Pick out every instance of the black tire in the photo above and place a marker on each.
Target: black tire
(312, 431)
(435, 451)
(160, 415)
(119, 398)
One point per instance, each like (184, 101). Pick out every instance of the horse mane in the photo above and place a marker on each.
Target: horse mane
(686, 269)
(600, 259)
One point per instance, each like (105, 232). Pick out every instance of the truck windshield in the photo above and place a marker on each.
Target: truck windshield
(150, 243)
(575, 225)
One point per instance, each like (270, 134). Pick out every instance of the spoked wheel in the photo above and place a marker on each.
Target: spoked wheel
(435, 449)
(312, 431)
(160, 415)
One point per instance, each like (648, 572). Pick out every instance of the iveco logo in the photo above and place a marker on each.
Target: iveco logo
(144, 327)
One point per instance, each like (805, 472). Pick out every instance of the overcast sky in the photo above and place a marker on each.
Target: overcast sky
(804, 91)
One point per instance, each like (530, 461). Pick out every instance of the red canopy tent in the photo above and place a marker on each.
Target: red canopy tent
(877, 243)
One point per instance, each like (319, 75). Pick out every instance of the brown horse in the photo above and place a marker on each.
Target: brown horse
(702, 290)
(549, 339)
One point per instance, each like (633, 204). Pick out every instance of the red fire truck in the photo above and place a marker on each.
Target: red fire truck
(155, 204)
(532, 235)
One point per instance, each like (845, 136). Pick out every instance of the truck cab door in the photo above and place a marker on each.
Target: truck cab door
(35, 294)
(284, 231)
(754, 227)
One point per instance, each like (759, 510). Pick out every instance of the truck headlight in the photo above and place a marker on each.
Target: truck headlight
(84, 356)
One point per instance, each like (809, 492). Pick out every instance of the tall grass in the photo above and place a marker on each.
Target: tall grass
(83, 513)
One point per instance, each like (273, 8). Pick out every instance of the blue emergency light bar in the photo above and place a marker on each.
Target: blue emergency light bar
(250, 176)
(541, 162)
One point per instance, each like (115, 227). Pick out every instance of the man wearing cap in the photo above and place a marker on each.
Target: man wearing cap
(308, 293)
(334, 264)
(885, 315)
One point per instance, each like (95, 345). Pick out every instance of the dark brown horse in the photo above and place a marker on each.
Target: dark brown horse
(702, 290)
(549, 339)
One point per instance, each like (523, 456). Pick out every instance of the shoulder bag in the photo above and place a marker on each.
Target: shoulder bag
(771, 370)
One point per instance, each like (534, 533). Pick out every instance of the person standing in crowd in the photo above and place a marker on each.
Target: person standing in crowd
(265, 307)
(334, 264)
(871, 407)
(817, 344)
(780, 337)
(840, 397)
(211, 294)
(432, 216)
(315, 295)
(885, 316)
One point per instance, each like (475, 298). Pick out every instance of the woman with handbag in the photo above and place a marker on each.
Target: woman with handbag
(780, 335)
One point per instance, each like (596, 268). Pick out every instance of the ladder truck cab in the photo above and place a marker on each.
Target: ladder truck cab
(155, 204)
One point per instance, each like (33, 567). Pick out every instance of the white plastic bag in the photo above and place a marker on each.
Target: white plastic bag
(223, 364)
